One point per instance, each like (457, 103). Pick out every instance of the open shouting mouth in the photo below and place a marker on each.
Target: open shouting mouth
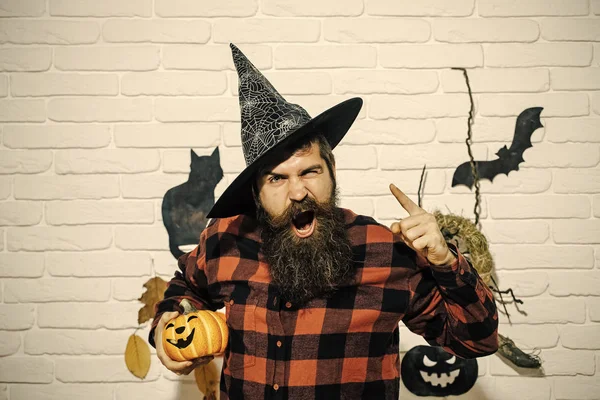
(183, 343)
(303, 223)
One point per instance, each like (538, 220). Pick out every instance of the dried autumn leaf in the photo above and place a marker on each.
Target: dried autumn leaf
(155, 292)
(137, 356)
(207, 378)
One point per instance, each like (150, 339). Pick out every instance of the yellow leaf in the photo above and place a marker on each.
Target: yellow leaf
(207, 378)
(137, 356)
(155, 292)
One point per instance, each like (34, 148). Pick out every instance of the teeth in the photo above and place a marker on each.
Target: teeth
(440, 379)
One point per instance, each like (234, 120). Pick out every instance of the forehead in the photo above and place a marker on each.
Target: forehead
(295, 159)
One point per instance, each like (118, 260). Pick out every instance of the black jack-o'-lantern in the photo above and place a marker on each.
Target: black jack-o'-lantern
(431, 371)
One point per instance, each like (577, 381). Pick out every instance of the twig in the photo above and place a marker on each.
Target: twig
(469, 141)
(421, 184)
(501, 299)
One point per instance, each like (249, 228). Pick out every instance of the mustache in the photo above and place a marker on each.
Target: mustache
(284, 220)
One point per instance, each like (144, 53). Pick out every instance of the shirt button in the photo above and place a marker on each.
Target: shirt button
(231, 302)
(288, 305)
(279, 343)
(276, 386)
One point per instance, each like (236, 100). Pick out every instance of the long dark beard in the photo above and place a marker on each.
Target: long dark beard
(305, 268)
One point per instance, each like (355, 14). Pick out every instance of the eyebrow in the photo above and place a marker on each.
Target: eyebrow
(305, 170)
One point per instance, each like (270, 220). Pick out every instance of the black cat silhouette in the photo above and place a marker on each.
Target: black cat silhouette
(184, 207)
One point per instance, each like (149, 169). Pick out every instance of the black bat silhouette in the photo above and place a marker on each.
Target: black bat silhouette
(508, 159)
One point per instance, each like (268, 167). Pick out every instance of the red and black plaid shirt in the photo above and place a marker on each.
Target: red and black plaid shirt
(342, 347)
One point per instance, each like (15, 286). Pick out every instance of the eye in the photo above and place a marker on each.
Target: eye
(191, 318)
(274, 179)
(427, 362)
(310, 173)
(452, 360)
(170, 326)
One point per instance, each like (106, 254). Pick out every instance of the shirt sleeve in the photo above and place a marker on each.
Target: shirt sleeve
(451, 306)
(189, 282)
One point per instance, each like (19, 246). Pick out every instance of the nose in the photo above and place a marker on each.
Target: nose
(180, 330)
(297, 190)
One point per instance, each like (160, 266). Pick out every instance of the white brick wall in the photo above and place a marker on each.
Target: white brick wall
(101, 101)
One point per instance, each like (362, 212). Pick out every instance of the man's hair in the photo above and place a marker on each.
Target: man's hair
(300, 146)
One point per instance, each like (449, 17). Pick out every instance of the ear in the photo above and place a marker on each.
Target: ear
(193, 154)
(215, 154)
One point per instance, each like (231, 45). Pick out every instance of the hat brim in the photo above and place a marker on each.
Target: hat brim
(333, 123)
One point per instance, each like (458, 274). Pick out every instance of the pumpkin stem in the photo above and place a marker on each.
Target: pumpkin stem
(188, 307)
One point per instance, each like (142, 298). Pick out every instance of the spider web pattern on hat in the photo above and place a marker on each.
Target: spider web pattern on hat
(267, 118)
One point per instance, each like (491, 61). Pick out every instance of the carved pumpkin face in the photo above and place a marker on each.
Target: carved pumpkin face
(195, 334)
(431, 371)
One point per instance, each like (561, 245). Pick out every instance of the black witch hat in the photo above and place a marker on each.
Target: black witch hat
(269, 122)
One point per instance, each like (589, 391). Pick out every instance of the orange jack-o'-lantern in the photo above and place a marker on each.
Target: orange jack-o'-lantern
(195, 333)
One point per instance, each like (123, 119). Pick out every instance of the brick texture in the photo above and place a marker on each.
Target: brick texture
(378, 30)
(459, 30)
(56, 136)
(42, 238)
(538, 55)
(49, 32)
(257, 30)
(173, 84)
(153, 31)
(497, 80)
(10, 342)
(421, 8)
(97, 264)
(192, 8)
(103, 109)
(25, 59)
(579, 29)
(213, 57)
(124, 161)
(27, 370)
(312, 8)
(398, 82)
(109, 8)
(542, 257)
(104, 58)
(103, 102)
(167, 135)
(511, 8)
(21, 265)
(52, 84)
(75, 342)
(431, 56)
(56, 290)
(63, 391)
(66, 187)
(326, 56)
(23, 8)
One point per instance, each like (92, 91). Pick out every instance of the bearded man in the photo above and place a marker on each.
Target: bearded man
(314, 292)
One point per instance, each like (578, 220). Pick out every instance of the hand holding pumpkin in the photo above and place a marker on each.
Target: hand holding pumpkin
(178, 367)
(190, 339)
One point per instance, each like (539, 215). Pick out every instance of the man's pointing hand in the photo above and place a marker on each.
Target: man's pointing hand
(421, 232)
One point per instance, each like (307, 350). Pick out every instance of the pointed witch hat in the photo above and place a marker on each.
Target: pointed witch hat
(269, 123)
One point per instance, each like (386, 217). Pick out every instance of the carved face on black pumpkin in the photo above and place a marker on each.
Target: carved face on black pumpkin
(430, 371)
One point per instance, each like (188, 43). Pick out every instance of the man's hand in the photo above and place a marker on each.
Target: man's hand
(421, 232)
(178, 367)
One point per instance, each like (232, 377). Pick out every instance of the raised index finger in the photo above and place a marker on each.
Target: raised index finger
(410, 206)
